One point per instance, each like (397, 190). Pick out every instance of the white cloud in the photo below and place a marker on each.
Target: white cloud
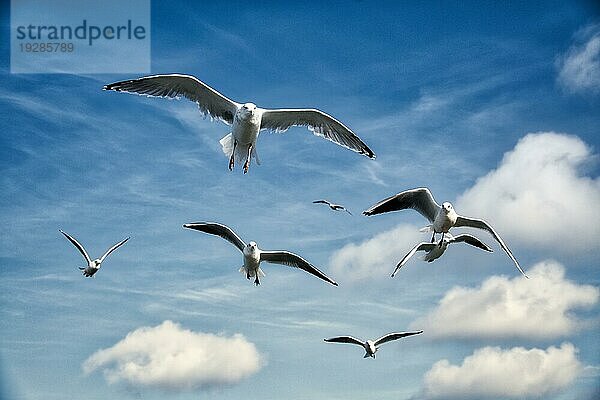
(537, 195)
(375, 257)
(580, 66)
(492, 372)
(172, 358)
(539, 307)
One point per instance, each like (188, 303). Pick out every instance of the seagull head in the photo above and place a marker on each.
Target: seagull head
(447, 207)
(249, 108)
(252, 245)
(96, 262)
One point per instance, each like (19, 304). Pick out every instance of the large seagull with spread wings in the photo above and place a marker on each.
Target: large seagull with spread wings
(253, 255)
(247, 119)
(441, 217)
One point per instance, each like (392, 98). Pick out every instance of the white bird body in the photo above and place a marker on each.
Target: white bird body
(371, 346)
(251, 265)
(442, 218)
(92, 265)
(253, 255)
(247, 119)
(436, 251)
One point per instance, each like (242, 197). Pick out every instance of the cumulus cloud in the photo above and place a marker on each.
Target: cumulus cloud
(537, 195)
(172, 358)
(375, 257)
(492, 372)
(579, 68)
(540, 307)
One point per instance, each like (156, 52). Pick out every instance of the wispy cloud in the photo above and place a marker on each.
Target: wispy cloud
(579, 67)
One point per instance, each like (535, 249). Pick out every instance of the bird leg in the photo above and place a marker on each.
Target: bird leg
(247, 163)
(256, 280)
(433, 237)
(232, 158)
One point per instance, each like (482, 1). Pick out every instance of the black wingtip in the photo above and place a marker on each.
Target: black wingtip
(334, 283)
(367, 213)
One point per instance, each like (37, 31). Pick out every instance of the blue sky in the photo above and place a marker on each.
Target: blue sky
(493, 107)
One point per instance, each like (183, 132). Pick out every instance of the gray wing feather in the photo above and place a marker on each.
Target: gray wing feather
(423, 246)
(320, 123)
(78, 245)
(344, 339)
(481, 224)
(472, 240)
(221, 230)
(293, 260)
(394, 336)
(210, 102)
(117, 245)
(419, 199)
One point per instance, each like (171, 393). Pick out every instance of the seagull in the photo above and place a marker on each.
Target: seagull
(442, 217)
(253, 255)
(247, 119)
(435, 250)
(334, 207)
(371, 346)
(92, 265)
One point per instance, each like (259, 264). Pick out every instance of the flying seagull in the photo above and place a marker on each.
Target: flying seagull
(334, 207)
(253, 256)
(247, 119)
(371, 346)
(442, 217)
(435, 250)
(92, 265)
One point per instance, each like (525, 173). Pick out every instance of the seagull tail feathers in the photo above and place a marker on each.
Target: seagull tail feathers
(427, 228)
(227, 144)
(260, 272)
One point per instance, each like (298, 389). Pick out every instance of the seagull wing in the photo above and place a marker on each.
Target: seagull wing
(320, 123)
(423, 246)
(344, 339)
(481, 224)
(122, 242)
(78, 245)
(472, 240)
(293, 260)
(394, 336)
(220, 230)
(322, 202)
(419, 199)
(208, 99)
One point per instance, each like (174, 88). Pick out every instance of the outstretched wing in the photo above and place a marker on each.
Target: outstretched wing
(113, 248)
(423, 246)
(320, 123)
(481, 224)
(322, 202)
(78, 245)
(470, 239)
(394, 336)
(419, 199)
(344, 339)
(293, 260)
(208, 99)
(220, 230)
